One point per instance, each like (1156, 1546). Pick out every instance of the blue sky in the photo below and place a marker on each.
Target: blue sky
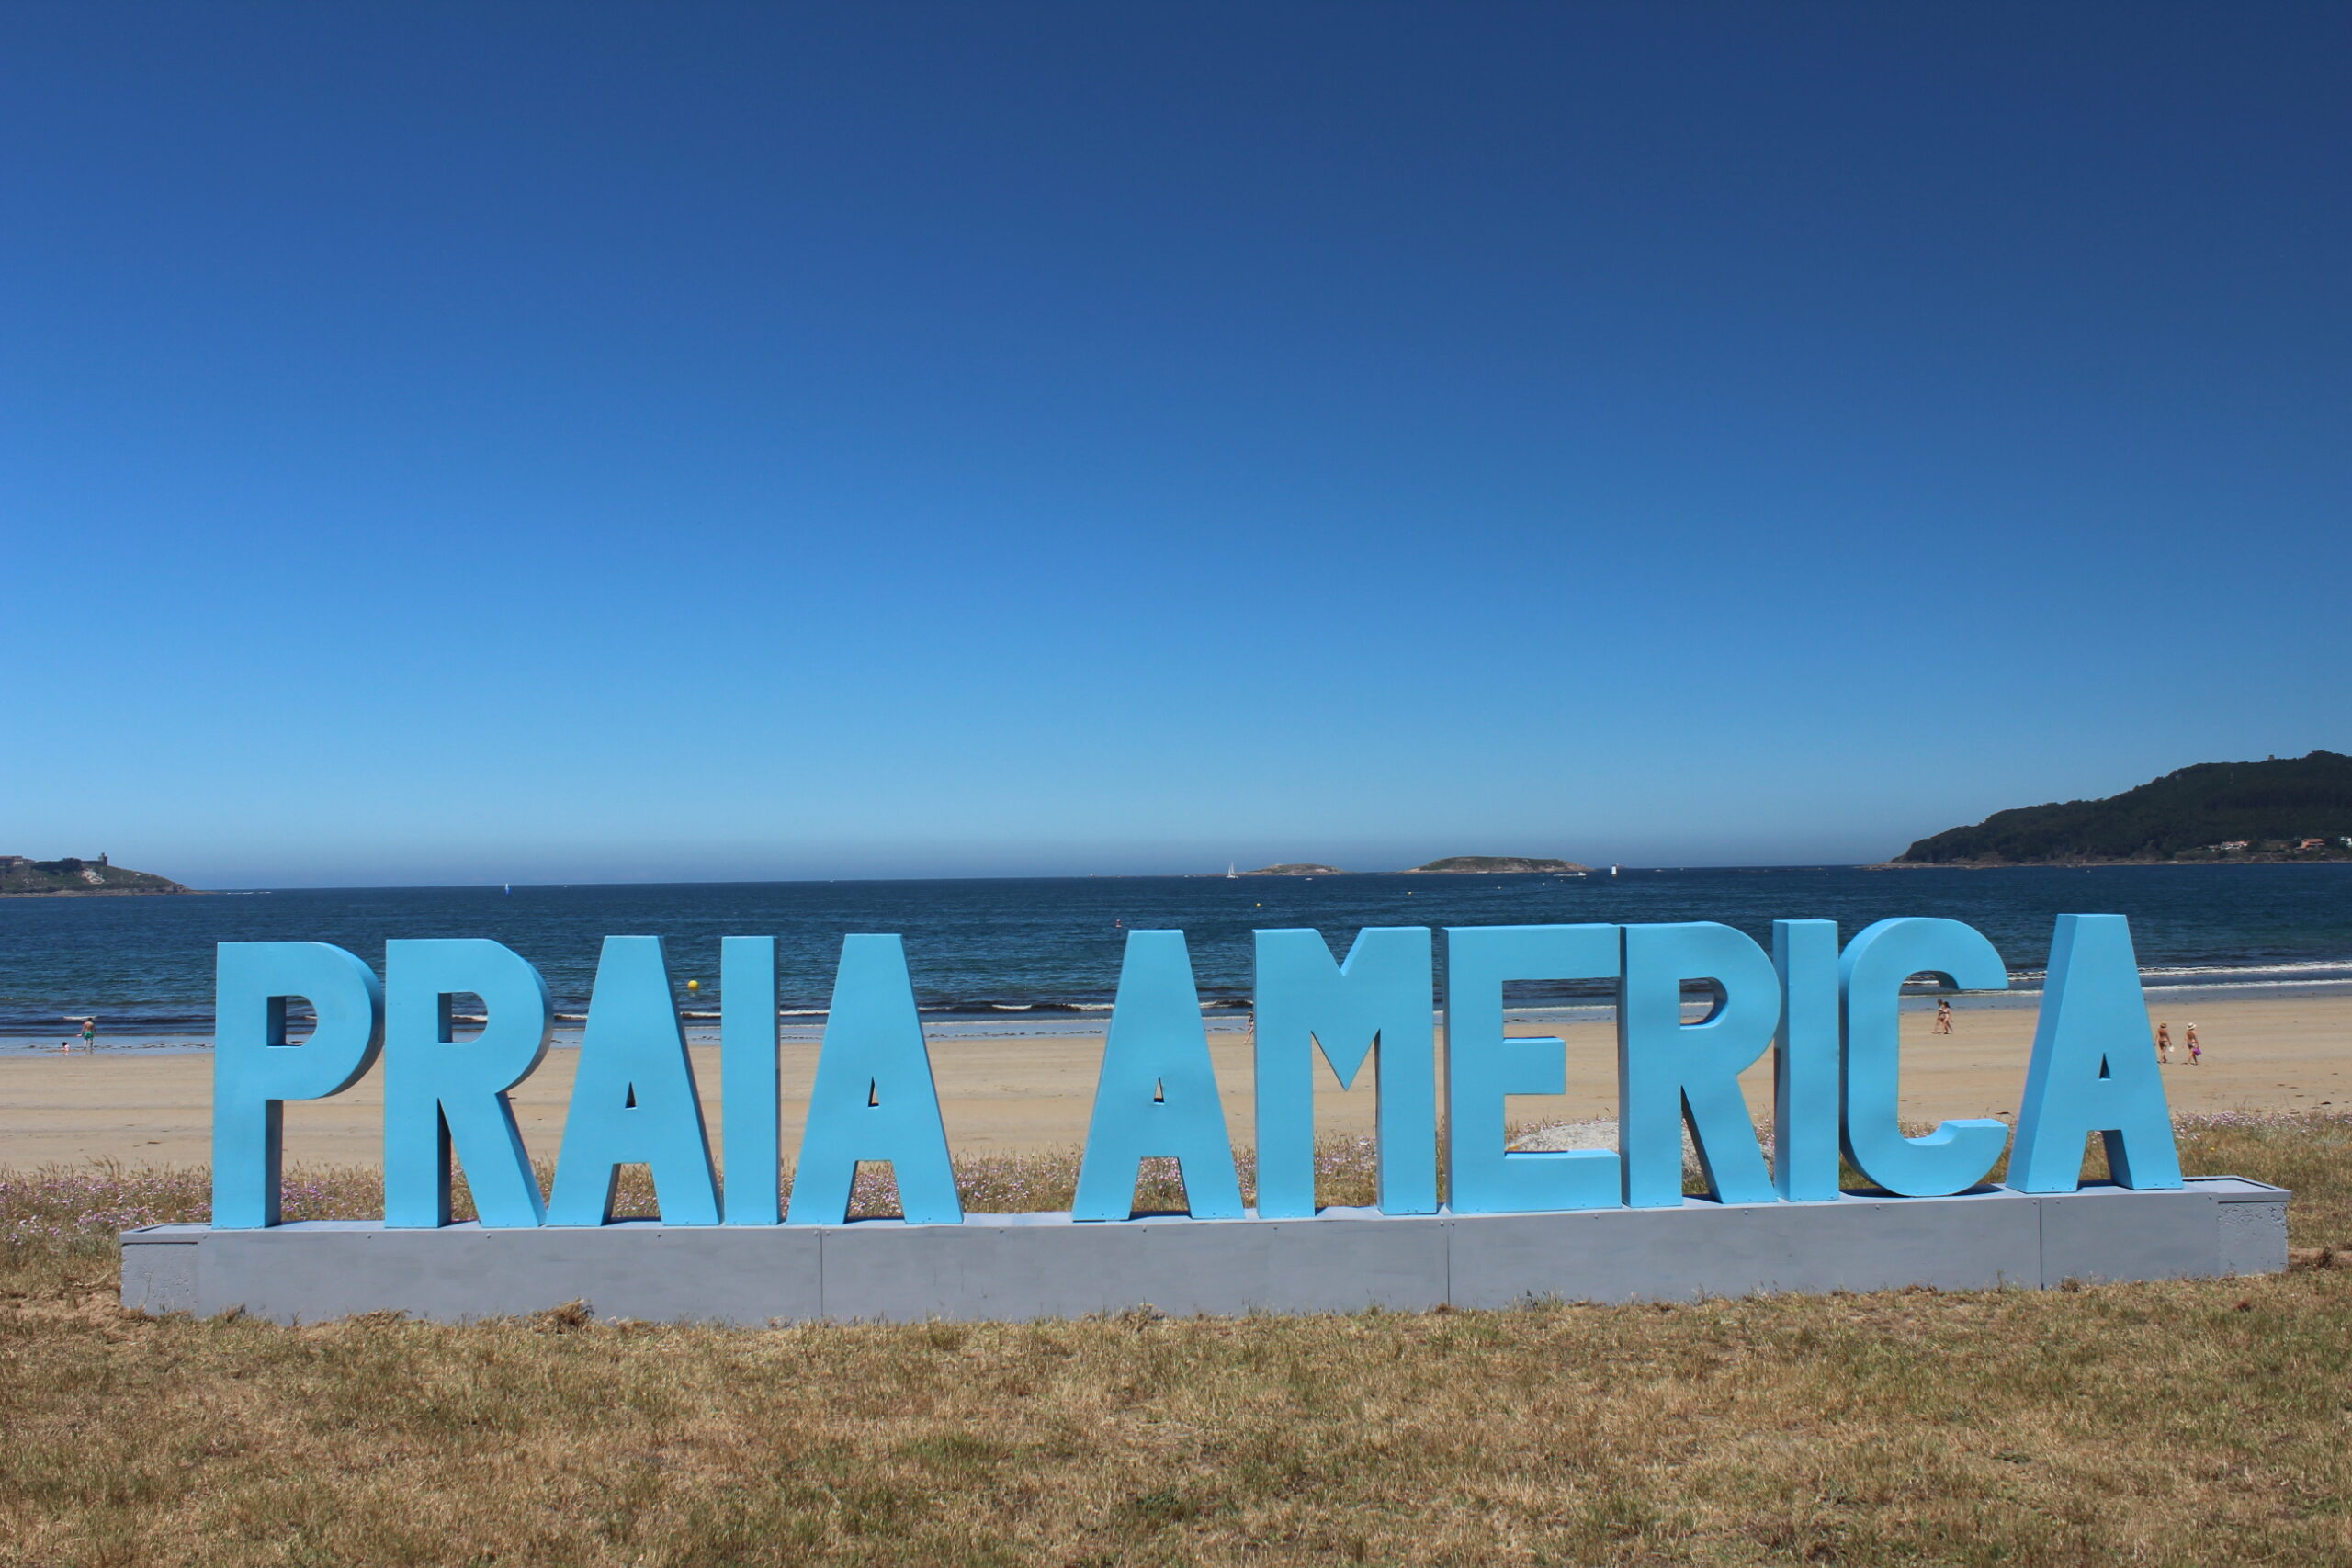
(574, 443)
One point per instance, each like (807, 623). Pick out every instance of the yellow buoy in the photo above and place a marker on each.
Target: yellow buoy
(693, 985)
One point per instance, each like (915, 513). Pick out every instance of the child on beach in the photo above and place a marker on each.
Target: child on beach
(2163, 1044)
(2195, 1050)
(1943, 1016)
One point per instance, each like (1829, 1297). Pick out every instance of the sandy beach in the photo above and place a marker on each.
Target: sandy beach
(2272, 1052)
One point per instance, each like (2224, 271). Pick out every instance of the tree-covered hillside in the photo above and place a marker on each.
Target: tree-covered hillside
(2210, 811)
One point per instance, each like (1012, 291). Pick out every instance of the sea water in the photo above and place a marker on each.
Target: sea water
(1041, 955)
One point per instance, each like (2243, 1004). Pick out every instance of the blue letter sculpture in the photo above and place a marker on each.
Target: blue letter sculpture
(255, 1071)
(750, 1090)
(634, 1100)
(873, 1098)
(1156, 1095)
(1833, 1020)
(1957, 1154)
(2093, 1070)
(1304, 1000)
(1483, 1065)
(1670, 1069)
(1806, 1141)
(443, 1096)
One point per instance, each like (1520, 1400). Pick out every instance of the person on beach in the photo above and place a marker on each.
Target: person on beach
(2195, 1050)
(2163, 1044)
(89, 1034)
(1943, 1016)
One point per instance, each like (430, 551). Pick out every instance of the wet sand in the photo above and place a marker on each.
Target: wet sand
(2272, 1052)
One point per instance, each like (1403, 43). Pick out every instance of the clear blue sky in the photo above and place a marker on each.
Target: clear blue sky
(456, 443)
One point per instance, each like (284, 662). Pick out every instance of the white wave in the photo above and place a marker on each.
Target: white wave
(2317, 968)
(2308, 966)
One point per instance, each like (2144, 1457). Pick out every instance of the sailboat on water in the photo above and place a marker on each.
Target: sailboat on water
(1231, 873)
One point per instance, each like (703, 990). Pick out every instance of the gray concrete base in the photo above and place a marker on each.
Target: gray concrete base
(1032, 1266)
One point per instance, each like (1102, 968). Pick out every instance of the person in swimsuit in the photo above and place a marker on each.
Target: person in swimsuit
(1943, 1016)
(2163, 1044)
(2195, 1050)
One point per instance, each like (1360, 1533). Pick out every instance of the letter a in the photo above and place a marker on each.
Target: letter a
(634, 1100)
(2093, 1070)
(873, 1098)
(1156, 1095)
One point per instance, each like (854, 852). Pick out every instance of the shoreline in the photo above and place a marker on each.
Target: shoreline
(947, 1027)
(1006, 1093)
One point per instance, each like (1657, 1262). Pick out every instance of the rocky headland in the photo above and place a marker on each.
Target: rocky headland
(21, 877)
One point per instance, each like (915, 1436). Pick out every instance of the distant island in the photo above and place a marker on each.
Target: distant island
(1450, 864)
(2285, 808)
(23, 878)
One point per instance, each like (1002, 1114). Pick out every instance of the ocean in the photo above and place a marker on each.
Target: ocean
(1042, 954)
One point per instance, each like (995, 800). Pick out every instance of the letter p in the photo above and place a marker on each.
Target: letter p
(255, 1071)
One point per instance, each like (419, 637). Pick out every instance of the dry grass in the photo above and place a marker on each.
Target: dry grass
(2169, 1424)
